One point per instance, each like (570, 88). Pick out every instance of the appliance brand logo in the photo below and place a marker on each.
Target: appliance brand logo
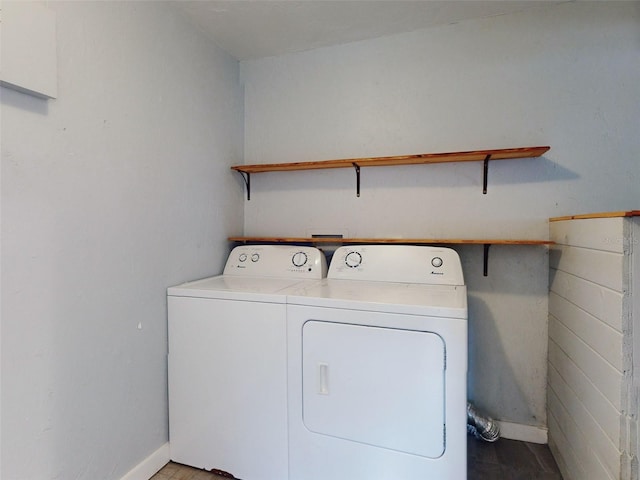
(436, 273)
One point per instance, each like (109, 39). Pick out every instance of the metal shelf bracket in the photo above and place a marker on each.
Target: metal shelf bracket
(485, 263)
(246, 176)
(357, 168)
(485, 175)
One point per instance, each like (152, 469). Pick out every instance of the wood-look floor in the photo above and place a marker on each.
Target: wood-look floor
(503, 460)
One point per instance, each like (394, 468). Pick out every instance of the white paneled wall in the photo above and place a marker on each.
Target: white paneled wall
(590, 405)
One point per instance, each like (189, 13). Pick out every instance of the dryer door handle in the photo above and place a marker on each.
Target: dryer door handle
(323, 378)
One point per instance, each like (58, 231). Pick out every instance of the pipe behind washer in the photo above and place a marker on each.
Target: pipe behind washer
(480, 426)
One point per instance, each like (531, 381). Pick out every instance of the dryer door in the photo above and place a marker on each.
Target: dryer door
(373, 385)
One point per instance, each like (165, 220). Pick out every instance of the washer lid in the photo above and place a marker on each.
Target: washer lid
(237, 288)
(407, 298)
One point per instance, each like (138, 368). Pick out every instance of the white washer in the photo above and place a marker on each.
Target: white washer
(378, 367)
(227, 362)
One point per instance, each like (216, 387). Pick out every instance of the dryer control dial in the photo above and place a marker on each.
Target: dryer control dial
(299, 259)
(353, 259)
(436, 262)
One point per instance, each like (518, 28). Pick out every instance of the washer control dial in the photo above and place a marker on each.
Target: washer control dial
(242, 257)
(255, 257)
(436, 262)
(353, 259)
(299, 259)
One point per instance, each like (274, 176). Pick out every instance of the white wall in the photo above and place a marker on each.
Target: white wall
(564, 76)
(592, 423)
(110, 193)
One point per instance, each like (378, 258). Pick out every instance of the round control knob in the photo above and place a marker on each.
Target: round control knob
(255, 257)
(299, 259)
(436, 262)
(243, 257)
(353, 259)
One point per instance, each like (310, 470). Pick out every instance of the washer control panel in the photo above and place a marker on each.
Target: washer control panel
(276, 261)
(397, 263)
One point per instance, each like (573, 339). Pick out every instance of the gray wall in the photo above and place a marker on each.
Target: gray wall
(110, 193)
(121, 187)
(564, 76)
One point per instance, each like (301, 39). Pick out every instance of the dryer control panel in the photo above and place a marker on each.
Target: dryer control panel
(283, 261)
(397, 263)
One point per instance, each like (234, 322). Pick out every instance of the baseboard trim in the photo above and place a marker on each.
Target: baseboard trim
(150, 465)
(524, 433)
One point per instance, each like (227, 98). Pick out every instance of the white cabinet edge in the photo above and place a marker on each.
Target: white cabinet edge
(28, 58)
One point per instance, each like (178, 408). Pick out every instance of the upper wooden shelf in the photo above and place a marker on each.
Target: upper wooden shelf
(421, 158)
(418, 159)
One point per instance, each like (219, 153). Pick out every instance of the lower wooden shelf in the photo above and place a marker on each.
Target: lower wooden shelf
(397, 241)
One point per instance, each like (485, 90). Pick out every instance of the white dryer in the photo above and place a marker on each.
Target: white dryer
(378, 367)
(227, 362)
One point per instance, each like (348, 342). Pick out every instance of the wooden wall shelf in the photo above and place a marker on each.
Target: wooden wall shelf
(418, 159)
(628, 213)
(398, 241)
